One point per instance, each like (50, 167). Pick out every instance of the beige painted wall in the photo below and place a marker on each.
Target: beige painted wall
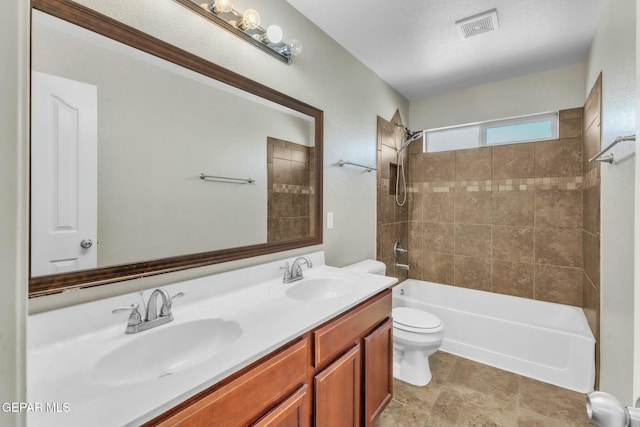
(14, 44)
(553, 90)
(324, 76)
(613, 52)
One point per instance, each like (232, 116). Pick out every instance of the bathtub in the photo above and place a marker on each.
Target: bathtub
(541, 340)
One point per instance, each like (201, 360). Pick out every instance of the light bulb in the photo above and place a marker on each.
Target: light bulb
(294, 47)
(273, 34)
(220, 6)
(250, 20)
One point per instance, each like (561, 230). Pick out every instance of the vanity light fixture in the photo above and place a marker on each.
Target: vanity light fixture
(246, 25)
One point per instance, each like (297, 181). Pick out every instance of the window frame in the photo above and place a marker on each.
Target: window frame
(553, 116)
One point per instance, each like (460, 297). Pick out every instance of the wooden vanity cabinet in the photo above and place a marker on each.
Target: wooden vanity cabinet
(339, 374)
(353, 356)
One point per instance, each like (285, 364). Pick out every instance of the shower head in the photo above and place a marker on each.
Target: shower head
(409, 138)
(415, 135)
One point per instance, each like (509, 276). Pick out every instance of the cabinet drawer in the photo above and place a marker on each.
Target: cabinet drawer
(246, 398)
(330, 340)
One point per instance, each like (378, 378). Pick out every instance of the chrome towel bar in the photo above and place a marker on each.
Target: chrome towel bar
(227, 179)
(609, 159)
(341, 163)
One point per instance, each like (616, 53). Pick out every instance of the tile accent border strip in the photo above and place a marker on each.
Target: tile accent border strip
(293, 189)
(517, 184)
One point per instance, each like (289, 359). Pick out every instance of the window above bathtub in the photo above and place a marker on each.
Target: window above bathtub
(535, 127)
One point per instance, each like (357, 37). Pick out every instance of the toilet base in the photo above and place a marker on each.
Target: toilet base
(412, 367)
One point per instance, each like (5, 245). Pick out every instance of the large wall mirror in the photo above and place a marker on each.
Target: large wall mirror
(146, 159)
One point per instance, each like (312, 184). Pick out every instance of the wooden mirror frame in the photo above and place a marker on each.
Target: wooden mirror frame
(87, 18)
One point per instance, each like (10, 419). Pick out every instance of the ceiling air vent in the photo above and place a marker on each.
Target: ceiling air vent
(478, 24)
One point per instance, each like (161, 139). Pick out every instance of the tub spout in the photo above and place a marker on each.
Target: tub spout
(402, 266)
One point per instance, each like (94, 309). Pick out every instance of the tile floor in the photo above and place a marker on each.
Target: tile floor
(466, 393)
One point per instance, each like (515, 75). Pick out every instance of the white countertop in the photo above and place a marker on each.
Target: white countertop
(65, 345)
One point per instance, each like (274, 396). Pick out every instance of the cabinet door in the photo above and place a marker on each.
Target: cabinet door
(378, 371)
(293, 412)
(337, 392)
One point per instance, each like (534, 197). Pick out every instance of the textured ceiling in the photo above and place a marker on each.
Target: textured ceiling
(414, 44)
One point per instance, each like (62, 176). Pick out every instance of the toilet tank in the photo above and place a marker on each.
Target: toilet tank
(370, 266)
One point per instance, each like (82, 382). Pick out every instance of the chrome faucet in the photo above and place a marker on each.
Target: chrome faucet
(152, 306)
(152, 319)
(295, 272)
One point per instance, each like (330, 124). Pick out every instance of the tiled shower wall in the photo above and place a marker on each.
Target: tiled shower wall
(392, 220)
(290, 183)
(505, 219)
(591, 214)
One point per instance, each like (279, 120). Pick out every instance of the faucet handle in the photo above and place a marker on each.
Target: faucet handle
(165, 310)
(285, 267)
(134, 318)
(178, 295)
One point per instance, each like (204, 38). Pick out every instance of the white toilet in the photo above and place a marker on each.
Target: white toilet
(417, 334)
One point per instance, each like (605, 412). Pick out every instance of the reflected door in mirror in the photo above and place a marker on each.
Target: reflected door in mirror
(63, 175)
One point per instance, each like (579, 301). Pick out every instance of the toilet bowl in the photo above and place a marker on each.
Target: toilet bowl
(417, 334)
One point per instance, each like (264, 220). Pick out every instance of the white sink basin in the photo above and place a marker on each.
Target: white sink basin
(321, 288)
(165, 350)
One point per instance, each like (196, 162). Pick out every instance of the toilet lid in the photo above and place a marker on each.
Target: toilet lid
(415, 318)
